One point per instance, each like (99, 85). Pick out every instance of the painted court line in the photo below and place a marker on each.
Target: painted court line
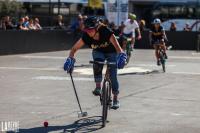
(196, 53)
(89, 71)
(61, 78)
(186, 73)
(42, 57)
(84, 71)
(184, 57)
(30, 68)
(151, 65)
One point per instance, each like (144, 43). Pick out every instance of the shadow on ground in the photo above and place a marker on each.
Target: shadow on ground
(141, 73)
(84, 125)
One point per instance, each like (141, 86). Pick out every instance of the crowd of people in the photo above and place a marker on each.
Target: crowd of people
(173, 27)
(24, 23)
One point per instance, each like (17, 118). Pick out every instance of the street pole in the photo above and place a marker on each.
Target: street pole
(59, 7)
(50, 12)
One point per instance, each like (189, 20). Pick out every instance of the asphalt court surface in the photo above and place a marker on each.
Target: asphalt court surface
(34, 89)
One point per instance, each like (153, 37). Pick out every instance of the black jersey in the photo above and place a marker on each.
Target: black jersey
(157, 34)
(103, 44)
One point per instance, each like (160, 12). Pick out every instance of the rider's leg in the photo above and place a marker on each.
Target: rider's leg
(156, 52)
(132, 42)
(97, 70)
(156, 47)
(163, 46)
(113, 76)
(124, 43)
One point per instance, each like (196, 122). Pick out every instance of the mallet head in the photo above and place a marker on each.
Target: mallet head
(82, 114)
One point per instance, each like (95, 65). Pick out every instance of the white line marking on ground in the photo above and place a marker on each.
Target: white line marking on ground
(31, 68)
(84, 71)
(176, 114)
(195, 53)
(61, 78)
(186, 73)
(151, 65)
(42, 57)
(89, 71)
(184, 57)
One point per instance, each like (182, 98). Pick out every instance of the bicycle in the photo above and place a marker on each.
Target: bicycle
(105, 97)
(128, 49)
(162, 58)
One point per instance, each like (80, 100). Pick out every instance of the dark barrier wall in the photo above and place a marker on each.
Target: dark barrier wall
(178, 40)
(15, 42)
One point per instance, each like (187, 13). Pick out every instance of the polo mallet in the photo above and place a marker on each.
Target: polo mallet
(81, 113)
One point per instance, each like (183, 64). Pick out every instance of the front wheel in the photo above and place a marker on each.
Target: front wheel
(128, 53)
(105, 98)
(162, 59)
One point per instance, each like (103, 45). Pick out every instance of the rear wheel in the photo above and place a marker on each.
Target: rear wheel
(105, 98)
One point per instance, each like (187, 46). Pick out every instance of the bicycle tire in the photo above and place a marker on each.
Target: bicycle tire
(128, 57)
(162, 59)
(105, 97)
(128, 53)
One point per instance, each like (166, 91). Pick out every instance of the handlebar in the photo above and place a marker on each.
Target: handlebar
(103, 63)
(127, 38)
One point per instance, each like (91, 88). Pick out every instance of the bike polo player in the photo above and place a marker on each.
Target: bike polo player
(131, 25)
(105, 47)
(157, 38)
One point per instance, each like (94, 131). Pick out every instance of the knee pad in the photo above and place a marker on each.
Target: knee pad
(97, 67)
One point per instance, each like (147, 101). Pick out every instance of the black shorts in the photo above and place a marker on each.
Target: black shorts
(121, 39)
(157, 41)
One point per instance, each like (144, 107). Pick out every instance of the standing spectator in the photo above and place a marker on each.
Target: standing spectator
(20, 25)
(142, 25)
(8, 23)
(26, 22)
(187, 27)
(60, 24)
(85, 17)
(121, 27)
(80, 23)
(3, 25)
(173, 26)
(114, 28)
(37, 24)
(77, 25)
(31, 25)
(106, 22)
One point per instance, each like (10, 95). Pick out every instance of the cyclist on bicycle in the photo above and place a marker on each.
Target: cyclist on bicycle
(157, 38)
(131, 26)
(105, 47)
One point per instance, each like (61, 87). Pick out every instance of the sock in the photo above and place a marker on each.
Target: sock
(115, 97)
(98, 85)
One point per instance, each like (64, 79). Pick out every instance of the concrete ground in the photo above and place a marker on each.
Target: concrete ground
(34, 89)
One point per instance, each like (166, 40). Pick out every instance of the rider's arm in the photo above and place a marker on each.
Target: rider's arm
(76, 47)
(139, 33)
(115, 43)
